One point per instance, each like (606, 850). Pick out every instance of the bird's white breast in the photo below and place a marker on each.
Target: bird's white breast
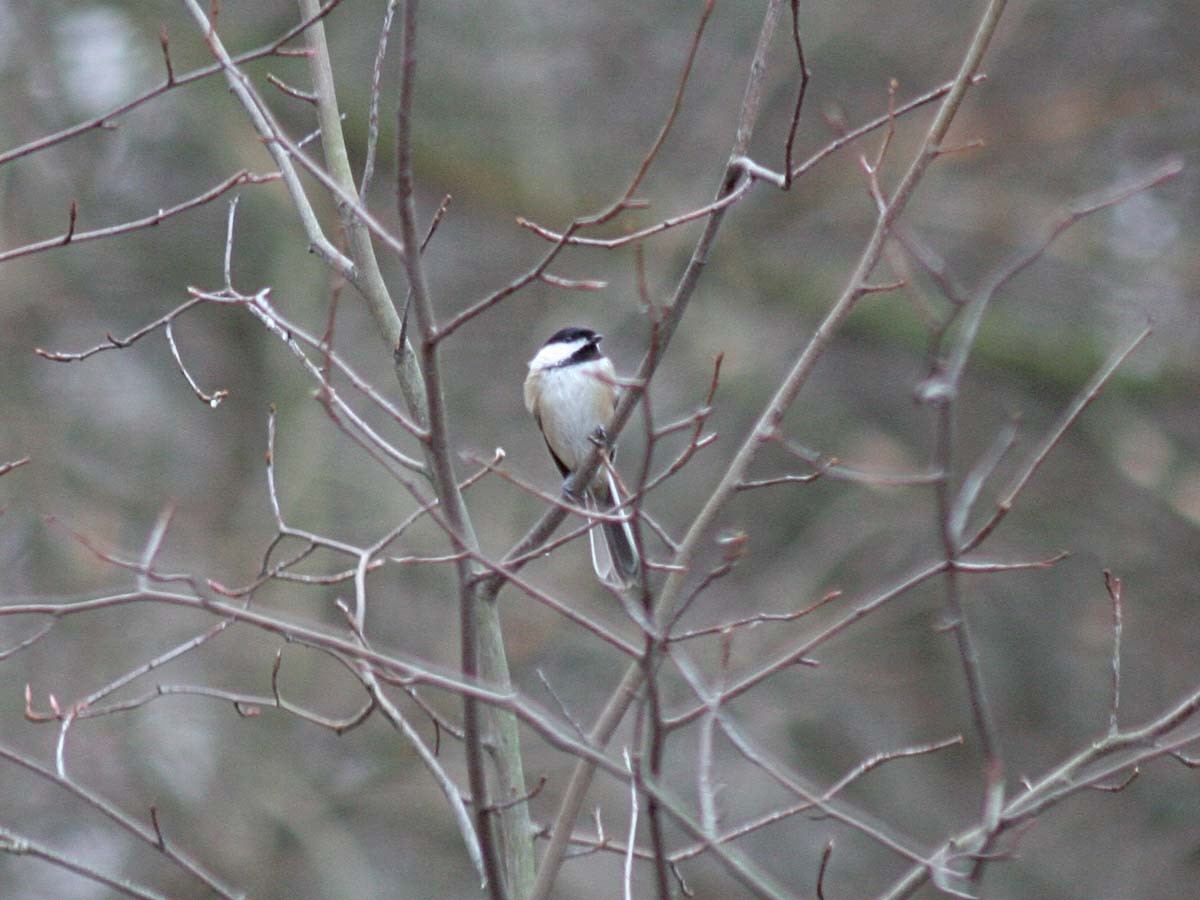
(571, 402)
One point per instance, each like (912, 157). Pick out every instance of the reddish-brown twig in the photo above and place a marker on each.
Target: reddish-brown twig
(104, 120)
(71, 236)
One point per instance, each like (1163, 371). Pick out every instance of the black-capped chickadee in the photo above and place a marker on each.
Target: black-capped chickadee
(571, 391)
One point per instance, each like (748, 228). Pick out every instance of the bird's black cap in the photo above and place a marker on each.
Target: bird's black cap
(572, 334)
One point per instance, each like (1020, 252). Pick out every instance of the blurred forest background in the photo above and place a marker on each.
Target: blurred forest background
(544, 110)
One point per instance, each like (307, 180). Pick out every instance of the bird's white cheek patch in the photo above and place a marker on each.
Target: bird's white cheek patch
(553, 354)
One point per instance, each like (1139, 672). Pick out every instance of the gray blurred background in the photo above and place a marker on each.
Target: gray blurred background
(543, 110)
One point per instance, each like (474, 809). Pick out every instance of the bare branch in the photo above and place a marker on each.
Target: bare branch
(265, 125)
(961, 565)
(573, 284)
(803, 89)
(517, 844)
(676, 103)
(753, 621)
(884, 287)
(633, 818)
(373, 112)
(1120, 785)
(27, 642)
(7, 467)
(791, 655)
(751, 169)
(337, 726)
(105, 120)
(125, 822)
(1007, 271)
(778, 480)
(164, 41)
(973, 483)
(562, 707)
(982, 716)
(18, 845)
(1187, 761)
(307, 96)
(73, 237)
(879, 759)
(1113, 585)
(1089, 393)
(825, 802)
(214, 399)
(833, 467)
(825, 854)
(625, 201)
(635, 237)
(525, 798)
(115, 343)
(931, 263)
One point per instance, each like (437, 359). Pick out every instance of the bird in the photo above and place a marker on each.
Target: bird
(571, 390)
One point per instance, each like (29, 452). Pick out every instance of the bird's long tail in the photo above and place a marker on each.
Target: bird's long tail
(614, 553)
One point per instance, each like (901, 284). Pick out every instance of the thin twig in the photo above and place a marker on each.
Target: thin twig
(214, 399)
(776, 481)
(19, 845)
(429, 232)
(7, 467)
(982, 714)
(879, 759)
(618, 206)
(633, 817)
(105, 120)
(71, 236)
(635, 237)
(1009, 270)
(517, 844)
(834, 468)
(752, 621)
(307, 96)
(558, 701)
(27, 642)
(974, 481)
(788, 175)
(742, 189)
(962, 565)
(791, 655)
(825, 802)
(373, 108)
(825, 854)
(412, 671)
(124, 821)
(116, 343)
(265, 125)
(780, 403)
(1096, 764)
(1113, 585)
(1081, 402)
(676, 103)
(1120, 785)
